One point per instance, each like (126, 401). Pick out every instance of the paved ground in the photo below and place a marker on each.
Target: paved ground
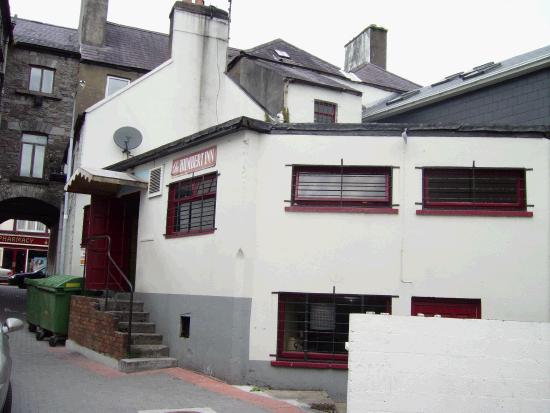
(48, 380)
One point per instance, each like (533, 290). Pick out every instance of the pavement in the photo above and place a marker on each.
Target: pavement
(51, 379)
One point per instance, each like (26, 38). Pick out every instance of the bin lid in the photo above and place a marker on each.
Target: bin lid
(60, 283)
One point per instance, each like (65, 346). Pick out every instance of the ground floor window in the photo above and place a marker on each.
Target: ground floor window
(315, 327)
(446, 307)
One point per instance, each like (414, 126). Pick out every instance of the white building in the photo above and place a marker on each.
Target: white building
(265, 236)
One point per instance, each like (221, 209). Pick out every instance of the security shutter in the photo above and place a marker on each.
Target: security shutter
(155, 182)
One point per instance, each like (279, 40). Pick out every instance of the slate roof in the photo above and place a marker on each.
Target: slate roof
(124, 46)
(375, 75)
(457, 83)
(129, 47)
(46, 35)
(307, 76)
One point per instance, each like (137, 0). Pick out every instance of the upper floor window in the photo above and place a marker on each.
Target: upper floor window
(30, 226)
(41, 80)
(325, 112)
(33, 150)
(341, 186)
(192, 206)
(474, 188)
(114, 84)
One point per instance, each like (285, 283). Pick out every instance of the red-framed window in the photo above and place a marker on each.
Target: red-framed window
(341, 186)
(324, 112)
(474, 189)
(315, 327)
(446, 307)
(192, 206)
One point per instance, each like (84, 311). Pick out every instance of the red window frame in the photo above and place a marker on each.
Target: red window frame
(446, 307)
(314, 342)
(201, 189)
(324, 112)
(342, 200)
(470, 177)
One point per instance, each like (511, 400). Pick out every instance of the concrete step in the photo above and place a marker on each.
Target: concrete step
(123, 296)
(146, 363)
(123, 305)
(137, 316)
(137, 327)
(149, 350)
(146, 338)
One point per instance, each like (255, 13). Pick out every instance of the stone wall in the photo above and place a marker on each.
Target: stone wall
(95, 329)
(417, 364)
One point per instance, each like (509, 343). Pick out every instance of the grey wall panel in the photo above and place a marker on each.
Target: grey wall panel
(520, 101)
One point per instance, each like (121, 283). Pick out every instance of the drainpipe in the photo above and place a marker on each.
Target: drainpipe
(64, 231)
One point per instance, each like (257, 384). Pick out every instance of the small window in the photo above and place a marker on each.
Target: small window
(185, 326)
(114, 84)
(316, 326)
(282, 53)
(325, 112)
(345, 186)
(474, 188)
(41, 80)
(192, 206)
(446, 307)
(155, 182)
(30, 226)
(33, 150)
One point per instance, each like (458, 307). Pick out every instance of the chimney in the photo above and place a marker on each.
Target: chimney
(93, 18)
(368, 46)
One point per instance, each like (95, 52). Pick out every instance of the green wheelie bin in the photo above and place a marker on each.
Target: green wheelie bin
(33, 308)
(53, 302)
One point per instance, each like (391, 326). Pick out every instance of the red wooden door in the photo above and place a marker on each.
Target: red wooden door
(446, 307)
(105, 217)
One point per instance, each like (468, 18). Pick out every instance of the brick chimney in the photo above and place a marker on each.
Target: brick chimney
(368, 46)
(93, 18)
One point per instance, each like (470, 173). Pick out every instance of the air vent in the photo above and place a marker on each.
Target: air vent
(155, 182)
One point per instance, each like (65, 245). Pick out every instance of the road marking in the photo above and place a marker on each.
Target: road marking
(185, 410)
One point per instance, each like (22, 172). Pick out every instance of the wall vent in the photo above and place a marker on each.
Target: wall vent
(155, 182)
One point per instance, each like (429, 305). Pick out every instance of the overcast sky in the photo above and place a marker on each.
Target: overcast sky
(427, 39)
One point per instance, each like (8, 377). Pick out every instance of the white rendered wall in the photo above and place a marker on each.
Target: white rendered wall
(300, 102)
(259, 248)
(433, 365)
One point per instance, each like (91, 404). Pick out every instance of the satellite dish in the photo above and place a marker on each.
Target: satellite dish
(127, 138)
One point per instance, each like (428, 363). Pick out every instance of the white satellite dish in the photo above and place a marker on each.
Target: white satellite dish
(127, 138)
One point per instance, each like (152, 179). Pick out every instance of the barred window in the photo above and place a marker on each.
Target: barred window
(192, 206)
(324, 112)
(341, 186)
(316, 326)
(474, 188)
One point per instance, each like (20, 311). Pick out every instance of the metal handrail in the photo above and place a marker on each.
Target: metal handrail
(112, 262)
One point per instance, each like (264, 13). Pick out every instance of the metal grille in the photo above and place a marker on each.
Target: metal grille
(192, 206)
(316, 326)
(325, 112)
(353, 186)
(474, 188)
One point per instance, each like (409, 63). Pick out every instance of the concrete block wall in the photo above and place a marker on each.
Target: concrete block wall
(95, 329)
(417, 364)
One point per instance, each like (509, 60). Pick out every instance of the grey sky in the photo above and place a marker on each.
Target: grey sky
(427, 39)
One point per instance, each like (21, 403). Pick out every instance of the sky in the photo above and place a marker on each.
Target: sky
(427, 39)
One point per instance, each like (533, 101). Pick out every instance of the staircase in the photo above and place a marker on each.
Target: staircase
(147, 350)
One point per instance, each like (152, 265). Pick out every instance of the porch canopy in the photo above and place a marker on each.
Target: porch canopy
(102, 182)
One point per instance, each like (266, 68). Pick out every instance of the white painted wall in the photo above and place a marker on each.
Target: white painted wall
(433, 365)
(300, 102)
(7, 225)
(502, 261)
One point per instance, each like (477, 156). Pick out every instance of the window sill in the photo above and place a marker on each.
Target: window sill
(29, 180)
(471, 212)
(309, 364)
(190, 234)
(27, 92)
(348, 210)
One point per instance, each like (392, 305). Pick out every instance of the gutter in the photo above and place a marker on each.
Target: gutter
(482, 81)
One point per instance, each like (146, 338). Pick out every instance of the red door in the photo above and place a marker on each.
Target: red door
(105, 217)
(446, 307)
